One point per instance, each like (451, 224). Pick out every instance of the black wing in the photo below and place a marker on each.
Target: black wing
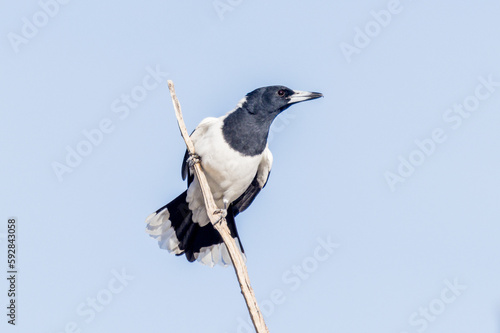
(185, 169)
(257, 184)
(247, 197)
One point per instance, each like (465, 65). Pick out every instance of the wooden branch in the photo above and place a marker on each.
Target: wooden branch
(219, 223)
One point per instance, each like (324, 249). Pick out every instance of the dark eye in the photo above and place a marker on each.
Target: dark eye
(281, 93)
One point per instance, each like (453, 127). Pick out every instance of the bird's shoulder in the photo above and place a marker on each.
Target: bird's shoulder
(207, 123)
(199, 132)
(265, 166)
(206, 129)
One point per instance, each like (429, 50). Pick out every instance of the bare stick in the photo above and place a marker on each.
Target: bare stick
(219, 223)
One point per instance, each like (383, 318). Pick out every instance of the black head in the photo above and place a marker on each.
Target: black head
(270, 101)
(246, 128)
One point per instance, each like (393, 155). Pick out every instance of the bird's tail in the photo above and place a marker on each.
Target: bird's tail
(173, 227)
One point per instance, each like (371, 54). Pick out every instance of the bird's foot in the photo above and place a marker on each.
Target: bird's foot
(221, 212)
(193, 159)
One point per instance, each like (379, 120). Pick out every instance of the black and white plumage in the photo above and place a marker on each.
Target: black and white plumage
(236, 161)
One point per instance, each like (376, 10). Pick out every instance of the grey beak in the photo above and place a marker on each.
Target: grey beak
(300, 96)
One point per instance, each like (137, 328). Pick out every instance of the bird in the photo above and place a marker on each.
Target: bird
(235, 157)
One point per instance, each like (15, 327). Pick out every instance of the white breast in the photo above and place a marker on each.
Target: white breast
(229, 173)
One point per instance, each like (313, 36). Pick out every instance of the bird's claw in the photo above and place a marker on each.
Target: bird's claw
(221, 212)
(193, 159)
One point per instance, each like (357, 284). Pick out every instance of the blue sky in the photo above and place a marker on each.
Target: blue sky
(382, 210)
